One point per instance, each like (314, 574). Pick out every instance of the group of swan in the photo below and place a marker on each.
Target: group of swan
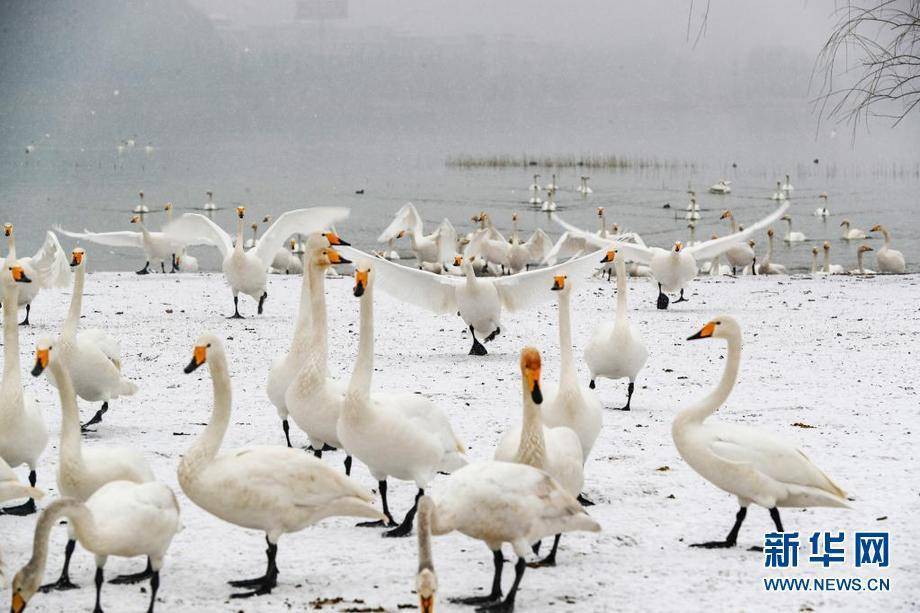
(437, 248)
(48, 268)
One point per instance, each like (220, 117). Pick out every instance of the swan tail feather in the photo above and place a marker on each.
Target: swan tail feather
(353, 506)
(452, 461)
(128, 388)
(805, 496)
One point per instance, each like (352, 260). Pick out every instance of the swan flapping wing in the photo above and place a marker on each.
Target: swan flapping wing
(196, 229)
(568, 246)
(406, 218)
(124, 238)
(447, 242)
(711, 248)
(634, 251)
(52, 263)
(424, 289)
(524, 289)
(539, 245)
(299, 221)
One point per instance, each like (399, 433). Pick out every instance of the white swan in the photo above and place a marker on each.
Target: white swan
(48, 268)
(674, 268)
(535, 186)
(791, 237)
(779, 194)
(616, 348)
(722, 187)
(754, 465)
(787, 186)
(549, 205)
(286, 261)
(570, 404)
(888, 259)
(11, 488)
(23, 434)
(555, 450)
(767, 267)
(551, 186)
(822, 211)
(92, 357)
(714, 267)
(82, 471)
(121, 519)
(583, 189)
(209, 205)
(852, 234)
(157, 246)
(314, 399)
(404, 436)
(479, 301)
(828, 268)
(435, 248)
(246, 271)
(140, 208)
(860, 268)
(496, 503)
(489, 244)
(181, 261)
(522, 254)
(814, 260)
(693, 210)
(275, 490)
(740, 255)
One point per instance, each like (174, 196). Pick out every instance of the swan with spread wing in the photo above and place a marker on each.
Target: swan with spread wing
(478, 300)
(674, 268)
(246, 271)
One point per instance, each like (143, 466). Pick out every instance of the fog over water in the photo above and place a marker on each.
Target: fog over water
(281, 104)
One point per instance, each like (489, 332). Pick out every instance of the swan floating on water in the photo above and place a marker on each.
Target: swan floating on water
(852, 234)
(722, 187)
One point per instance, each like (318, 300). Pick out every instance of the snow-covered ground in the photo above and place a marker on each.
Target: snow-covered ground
(835, 354)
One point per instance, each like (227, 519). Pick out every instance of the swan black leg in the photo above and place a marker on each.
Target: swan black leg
(774, 515)
(162, 267)
(100, 579)
(63, 582)
(754, 267)
(134, 578)
(154, 586)
(386, 511)
(262, 301)
(507, 605)
(549, 560)
(25, 322)
(629, 392)
(265, 583)
(732, 537)
(146, 269)
(348, 466)
(287, 431)
(175, 265)
(492, 336)
(477, 348)
(27, 507)
(496, 593)
(681, 299)
(405, 528)
(663, 300)
(96, 418)
(236, 308)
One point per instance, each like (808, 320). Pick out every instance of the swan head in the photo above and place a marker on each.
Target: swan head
(426, 584)
(458, 260)
(726, 215)
(723, 326)
(514, 216)
(559, 283)
(25, 584)
(678, 246)
(335, 239)
(329, 256)
(17, 273)
(823, 195)
(785, 218)
(530, 371)
(864, 248)
(401, 234)
(136, 219)
(609, 256)
(691, 226)
(42, 355)
(714, 236)
(770, 232)
(141, 194)
(167, 206)
(845, 223)
(814, 251)
(600, 211)
(362, 279)
(7, 229)
(240, 211)
(206, 343)
(254, 227)
(76, 256)
(267, 219)
(751, 243)
(826, 246)
(876, 228)
(209, 195)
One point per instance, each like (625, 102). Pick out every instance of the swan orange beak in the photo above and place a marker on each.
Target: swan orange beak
(335, 239)
(458, 259)
(360, 282)
(19, 603)
(705, 332)
(426, 604)
(76, 258)
(19, 275)
(558, 283)
(7, 229)
(609, 257)
(199, 357)
(41, 361)
(678, 246)
(240, 211)
(335, 257)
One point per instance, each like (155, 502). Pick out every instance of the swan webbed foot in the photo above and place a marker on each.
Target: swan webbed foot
(405, 528)
(591, 384)
(62, 584)
(715, 544)
(236, 309)
(756, 548)
(477, 348)
(681, 299)
(236, 316)
(629, 393)
(145, 574)
(549, 560)
(20, 510)
(255, 582)
(663, 300)
(376, 524)
(261, 590)
(97, 418)
(476, 600)
(145, 270)
(585, 501)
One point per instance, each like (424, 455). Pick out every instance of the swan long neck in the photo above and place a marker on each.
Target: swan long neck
(360, 385)
(239, 235)
(699, 411)
(734, 224)
(12, 377)
(532, 448)
(827, 261)
(620, 266)
(887, 236)
(76, 303)
(315, 317)
(859, 260)
(71, 438)
(567, 372)
(82, 521)
(467, 267)
(814, 263)
(207, 445)
(425, 561)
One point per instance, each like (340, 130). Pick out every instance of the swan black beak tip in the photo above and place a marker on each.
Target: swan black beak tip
(536, 395)
(344, 260)
(23, 279)
(192, 366)
(37, 369)
(359, 290)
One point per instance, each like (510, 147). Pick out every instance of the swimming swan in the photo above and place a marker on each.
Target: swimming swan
(851, 234)
(754, 465)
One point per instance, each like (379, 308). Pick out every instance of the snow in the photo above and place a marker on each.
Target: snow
(835, 353)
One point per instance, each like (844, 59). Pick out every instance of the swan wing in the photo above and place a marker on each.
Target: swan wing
(400, 222)
(539, 244)
(299, 221)
(102, 341)
(124, 238)
(633, 251)
(52, 263)
(524, 289)
(196, 229)
(711, 248)
(419, 287)
(568, 246)
(447, 242)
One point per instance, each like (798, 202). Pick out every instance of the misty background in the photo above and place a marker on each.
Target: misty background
(284, 103)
